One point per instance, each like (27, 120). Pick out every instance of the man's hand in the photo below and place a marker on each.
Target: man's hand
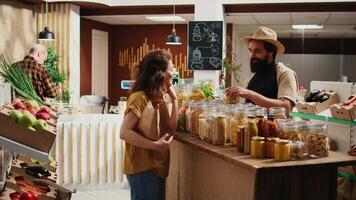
(164, 143)
(234, 92)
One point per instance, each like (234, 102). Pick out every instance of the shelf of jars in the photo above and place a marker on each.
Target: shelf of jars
(261, 132)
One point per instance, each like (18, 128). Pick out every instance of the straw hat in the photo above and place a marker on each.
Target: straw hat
(265, 34)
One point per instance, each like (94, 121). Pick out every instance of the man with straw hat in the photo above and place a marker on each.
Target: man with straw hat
(272, 84)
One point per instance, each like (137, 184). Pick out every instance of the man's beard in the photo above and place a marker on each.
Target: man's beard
(258, 65)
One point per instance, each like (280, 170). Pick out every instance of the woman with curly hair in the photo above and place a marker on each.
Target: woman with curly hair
(146, 161)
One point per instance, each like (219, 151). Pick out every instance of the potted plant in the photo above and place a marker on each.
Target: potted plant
(58, 78)
(232, 69)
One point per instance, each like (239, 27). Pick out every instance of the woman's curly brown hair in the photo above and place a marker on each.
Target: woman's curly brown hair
(151, 72)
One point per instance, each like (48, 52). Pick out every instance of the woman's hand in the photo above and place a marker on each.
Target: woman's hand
(164, 143)
(172, 92)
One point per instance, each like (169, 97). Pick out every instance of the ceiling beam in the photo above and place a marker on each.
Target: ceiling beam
(137, 10)
(291, 7)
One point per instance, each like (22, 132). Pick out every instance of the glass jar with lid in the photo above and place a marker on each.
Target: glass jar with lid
(188, 115)
(195, 93)
(296, 150)
(238, 120)
(270, 146)
(196, 110)
(231, 124)
(241, 132)
(258, 148)
(278, 112)
(291, 131)
(251, 131)
(205, 119)
(317, 141)
(182, 116)
(282, 150)
(219, 133)
(268, 127)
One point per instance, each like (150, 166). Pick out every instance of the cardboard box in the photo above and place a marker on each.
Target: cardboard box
(316, 107)
(41, 140)
(340, 112)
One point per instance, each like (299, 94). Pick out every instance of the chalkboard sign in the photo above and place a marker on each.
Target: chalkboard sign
(205, 45)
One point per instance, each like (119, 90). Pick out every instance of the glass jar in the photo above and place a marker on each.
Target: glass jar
(240, 138)
(291, 131)
(258, 147)
(195, 93)
(182, 116)
(251, 131)
(303, 128)
(219, 135)
(270, 146)
(196, 111)
(188, 116)
(205, 122)
(231, 123)
(296, 150)
(282, 150)
(268, 127)
(317, 141)
(278, 112)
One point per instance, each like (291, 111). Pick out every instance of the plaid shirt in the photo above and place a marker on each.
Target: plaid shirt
(41, 81)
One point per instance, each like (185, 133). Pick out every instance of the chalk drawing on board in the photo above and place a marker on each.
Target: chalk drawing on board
(197, 34)
(215, 62)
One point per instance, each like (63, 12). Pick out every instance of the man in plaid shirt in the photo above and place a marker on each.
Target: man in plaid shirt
(33, 64)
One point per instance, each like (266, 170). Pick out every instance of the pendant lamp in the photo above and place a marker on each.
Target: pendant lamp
(46, 34)
(173, 39)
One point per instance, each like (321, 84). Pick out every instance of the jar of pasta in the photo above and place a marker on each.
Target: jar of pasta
(205, 120)
(196, 110)
(291, 131)
(317, 141)
(296, 150)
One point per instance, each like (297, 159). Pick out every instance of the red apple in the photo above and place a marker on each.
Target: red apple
(19, 105)
(33, 110)
(28, 196)
(15, 195)
(43, 115)
(44, 109)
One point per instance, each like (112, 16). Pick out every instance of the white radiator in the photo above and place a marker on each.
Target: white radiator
(89, 150)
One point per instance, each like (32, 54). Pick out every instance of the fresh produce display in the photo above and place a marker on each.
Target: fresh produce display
(317, 96)
(30, 115)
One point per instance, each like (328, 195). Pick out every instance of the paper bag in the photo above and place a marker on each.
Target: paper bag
(154, 122)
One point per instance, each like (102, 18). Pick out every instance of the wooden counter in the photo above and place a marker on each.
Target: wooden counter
(203, 171)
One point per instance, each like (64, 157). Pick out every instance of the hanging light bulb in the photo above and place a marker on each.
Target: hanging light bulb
(46, 34)
(173, 39)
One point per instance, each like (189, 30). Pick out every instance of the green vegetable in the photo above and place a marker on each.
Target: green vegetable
(207, 91)
(19, 79)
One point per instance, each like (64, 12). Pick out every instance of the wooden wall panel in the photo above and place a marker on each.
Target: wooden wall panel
(58, 21)
(17, 29)
(131, 42)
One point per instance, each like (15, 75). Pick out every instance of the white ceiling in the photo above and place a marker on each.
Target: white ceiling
(336, 24)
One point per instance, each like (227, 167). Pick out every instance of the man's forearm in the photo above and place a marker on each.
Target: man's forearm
(263, 101)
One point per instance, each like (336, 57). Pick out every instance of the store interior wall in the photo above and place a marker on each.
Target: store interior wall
(131, 38)
(86, 27)
(17, 29)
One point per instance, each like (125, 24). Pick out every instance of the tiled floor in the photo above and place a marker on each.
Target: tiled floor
(122, 194)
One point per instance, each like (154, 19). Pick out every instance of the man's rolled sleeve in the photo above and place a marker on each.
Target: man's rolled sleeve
(287, 86)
